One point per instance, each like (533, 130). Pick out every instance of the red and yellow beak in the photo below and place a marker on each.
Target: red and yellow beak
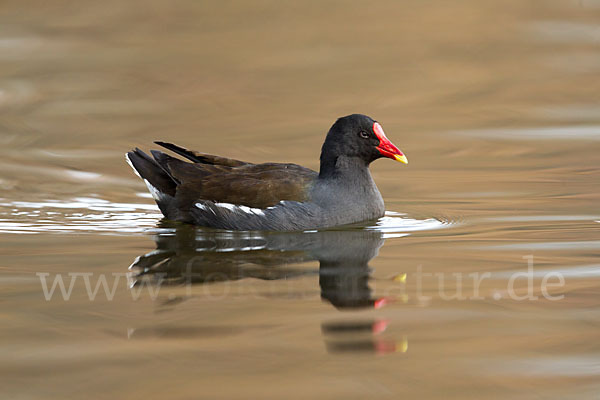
(387, 148)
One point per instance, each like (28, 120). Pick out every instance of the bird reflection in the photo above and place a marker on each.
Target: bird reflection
(189, 255)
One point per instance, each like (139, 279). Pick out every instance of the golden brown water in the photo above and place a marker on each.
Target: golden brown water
(496, 104)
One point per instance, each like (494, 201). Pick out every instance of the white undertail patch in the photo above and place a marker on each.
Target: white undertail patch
(156, 194)
(131, 165)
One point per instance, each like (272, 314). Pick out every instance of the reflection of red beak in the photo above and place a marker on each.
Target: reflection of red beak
(387, 148)
(379, 326)
(385, 347)
(380, 302)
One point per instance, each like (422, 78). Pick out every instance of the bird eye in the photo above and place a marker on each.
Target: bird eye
(364, 134)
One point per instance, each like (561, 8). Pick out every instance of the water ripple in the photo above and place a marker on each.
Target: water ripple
(395, 224)
(78, 215)
(94, 215)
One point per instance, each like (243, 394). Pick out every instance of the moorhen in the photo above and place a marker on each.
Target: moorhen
(224, 193)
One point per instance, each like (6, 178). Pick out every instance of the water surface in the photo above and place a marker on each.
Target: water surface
(495, 104)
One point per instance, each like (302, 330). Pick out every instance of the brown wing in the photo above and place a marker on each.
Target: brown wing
(252, 185)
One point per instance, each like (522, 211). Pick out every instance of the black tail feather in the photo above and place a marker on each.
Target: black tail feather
(200, 157)
(149, 170)
(181, 151)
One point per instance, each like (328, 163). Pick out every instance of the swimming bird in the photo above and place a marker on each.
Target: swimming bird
(224, 193)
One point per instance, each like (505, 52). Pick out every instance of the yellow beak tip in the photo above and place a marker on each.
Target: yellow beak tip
(401, 159)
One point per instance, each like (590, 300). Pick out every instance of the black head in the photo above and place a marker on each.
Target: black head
(357, 136)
